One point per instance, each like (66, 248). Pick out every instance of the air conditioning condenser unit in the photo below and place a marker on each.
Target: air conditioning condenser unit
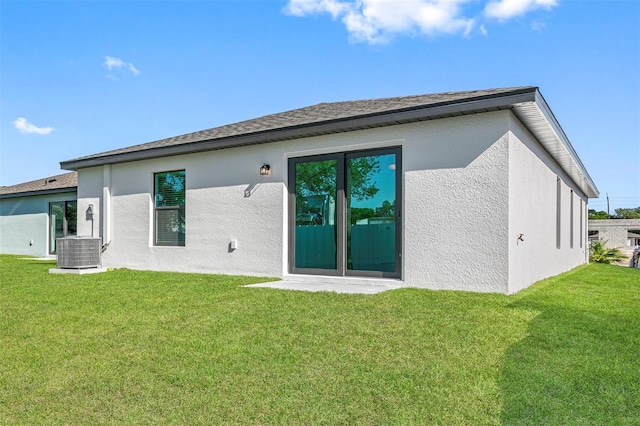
(78, 252)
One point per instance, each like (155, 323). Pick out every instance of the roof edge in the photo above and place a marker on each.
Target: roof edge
(546, 110)
(386, 118)
(553, 139)
(42, 192)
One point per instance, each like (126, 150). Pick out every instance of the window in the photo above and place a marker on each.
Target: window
(169, 205)
(558, 211)
(62, 221)
(581, 222)
(571, 221)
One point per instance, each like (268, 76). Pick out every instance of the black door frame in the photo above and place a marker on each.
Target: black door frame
(341, 213)
(65, 221)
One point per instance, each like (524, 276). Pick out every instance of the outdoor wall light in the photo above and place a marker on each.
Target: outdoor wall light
(265, 170)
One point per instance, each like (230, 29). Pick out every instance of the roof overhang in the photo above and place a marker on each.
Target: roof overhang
(34, 193)
(540, 121)
(526, 103)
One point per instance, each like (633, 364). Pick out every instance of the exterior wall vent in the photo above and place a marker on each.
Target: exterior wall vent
(78, 252)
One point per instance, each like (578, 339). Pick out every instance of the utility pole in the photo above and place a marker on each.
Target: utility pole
(608, 215)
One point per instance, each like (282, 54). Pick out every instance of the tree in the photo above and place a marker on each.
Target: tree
(621, 213)
(170, 189)
(624, 213)
(358, 213)
(387, 209)
(360, 174)
(319, 177)
(597, 215)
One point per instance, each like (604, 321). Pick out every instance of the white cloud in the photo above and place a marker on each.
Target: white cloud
(377, 21)
(111, 63)
(507, 9)
(538, 26)
(24, 126)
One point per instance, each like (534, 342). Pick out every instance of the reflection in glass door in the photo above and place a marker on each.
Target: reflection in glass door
(344, 214)
(62, 221)
(371, 213)
(56, 214)
(315, 214)
(71, 218)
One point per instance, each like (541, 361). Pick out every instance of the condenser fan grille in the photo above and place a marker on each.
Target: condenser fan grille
(78, 252)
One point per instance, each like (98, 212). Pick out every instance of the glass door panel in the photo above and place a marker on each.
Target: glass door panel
(371, 213)
(56, 213)
(315, 231)
(71, 216)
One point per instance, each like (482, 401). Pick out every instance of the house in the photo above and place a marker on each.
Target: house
(618, 233)
(33, 214)
(476, 190)
(633, 239)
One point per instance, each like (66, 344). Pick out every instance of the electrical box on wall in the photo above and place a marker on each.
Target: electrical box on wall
(233, 244)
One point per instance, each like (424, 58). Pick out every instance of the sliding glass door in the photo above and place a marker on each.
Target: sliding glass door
(345, 214)
(62, 221)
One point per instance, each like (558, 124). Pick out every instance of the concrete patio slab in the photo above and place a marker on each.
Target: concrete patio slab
(84, 271)
(40, 259)
(336, 287)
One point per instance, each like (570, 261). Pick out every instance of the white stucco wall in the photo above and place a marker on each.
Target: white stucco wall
(456, 192)
(532, 205)
(90, 192)
(217, 211)
(471, 184)
(24, 223)
(455, 197)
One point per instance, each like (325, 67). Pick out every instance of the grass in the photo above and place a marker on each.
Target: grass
(146, 347)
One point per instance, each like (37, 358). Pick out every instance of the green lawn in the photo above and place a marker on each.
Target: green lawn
(146, 347)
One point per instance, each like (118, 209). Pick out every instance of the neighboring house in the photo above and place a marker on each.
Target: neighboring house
(34, 214)
(616, 232)
(633, 239)
(477, 190)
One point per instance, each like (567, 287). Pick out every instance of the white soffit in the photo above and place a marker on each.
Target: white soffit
(539, 119)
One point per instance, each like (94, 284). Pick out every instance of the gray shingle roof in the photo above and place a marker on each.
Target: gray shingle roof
(264, 129)
(526, 103)
(58, 183)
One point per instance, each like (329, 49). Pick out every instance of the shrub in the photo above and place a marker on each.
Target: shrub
(601, 254)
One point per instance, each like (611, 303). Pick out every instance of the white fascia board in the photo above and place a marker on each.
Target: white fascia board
(541, 122)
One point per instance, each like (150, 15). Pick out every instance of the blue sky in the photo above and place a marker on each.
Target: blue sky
(81, 77)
